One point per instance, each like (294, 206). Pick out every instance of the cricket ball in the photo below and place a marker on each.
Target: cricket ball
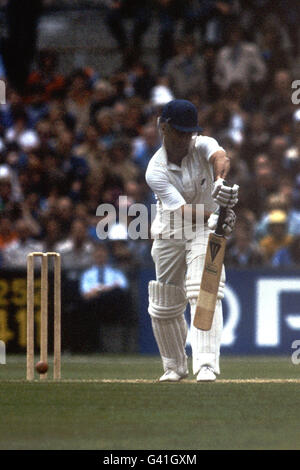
(41, 367)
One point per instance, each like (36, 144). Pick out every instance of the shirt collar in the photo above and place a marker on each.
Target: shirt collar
(169, 165)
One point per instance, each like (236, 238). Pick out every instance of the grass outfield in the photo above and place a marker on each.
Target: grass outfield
(115, 402)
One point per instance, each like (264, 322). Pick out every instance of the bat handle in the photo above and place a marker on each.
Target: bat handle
(219, 228)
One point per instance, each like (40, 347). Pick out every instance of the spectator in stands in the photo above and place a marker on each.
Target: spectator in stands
(282, 200)
(288, 257)
(239, 171)
(10, 190)
(46, 76)
(239, 61)
(52, 233)
(134, 118)
(78, 100)
(273, 46)
(66, 147)
(91, 150)
(94, 193)
(101, 277)
(277, 150)
(20, 132)
(74, 168)
(278, 98)
(56, 180)
(106, 127)
(44, 133)
(119, 112)
(120, 163)
(257, 137)
(146, 146)
(290, 17)
(14, 102)
(169, 12)
(38, 108)
(15, 253)
(216, 120)
(229, 116)
(287, 191)
(277, 236)
(106, 300)
(81, 212)
(292, 155)
(123, 258)
(238, 101)
(212, 17)
(77, 249)
(8, 233)
(242, 251)
(136, 190)
(13, 157)
(141, 79)
(161, 94)
(118, 12)
(35, 173)
(186, 71)
(60, 119)
(104, 96)
(273, 202)
(30, 213)
(264, 183)
(112, 188)
(64, 212)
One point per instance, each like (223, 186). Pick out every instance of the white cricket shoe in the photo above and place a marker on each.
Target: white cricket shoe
(172, 376)
(206, 374)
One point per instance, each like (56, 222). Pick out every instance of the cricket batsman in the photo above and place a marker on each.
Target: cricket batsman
(187, 175)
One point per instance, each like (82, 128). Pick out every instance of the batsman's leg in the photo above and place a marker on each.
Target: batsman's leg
(205, 344)
(167, 304)
(166, 307)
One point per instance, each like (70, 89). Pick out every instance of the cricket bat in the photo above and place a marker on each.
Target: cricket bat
(214, 258)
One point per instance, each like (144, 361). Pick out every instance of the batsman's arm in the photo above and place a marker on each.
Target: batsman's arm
(221, 164)
(223, 194)
(221, 167)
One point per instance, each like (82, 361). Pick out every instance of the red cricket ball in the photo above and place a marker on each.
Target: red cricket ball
(41, 367)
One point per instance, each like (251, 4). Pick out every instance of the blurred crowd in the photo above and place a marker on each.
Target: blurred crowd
(69, 143)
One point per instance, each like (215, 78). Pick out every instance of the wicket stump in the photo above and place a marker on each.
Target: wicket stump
(44, 314)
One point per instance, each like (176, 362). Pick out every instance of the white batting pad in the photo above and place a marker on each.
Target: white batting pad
(170, 337)
(166, 300)
(206, 344)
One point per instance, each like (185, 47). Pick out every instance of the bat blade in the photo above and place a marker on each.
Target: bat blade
(207, 298)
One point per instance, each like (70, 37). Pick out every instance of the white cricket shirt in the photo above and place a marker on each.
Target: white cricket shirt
(190, 183)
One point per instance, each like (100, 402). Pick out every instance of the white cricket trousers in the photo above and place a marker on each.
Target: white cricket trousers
(180, 263)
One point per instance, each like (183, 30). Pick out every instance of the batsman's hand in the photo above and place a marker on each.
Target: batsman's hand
(225, 196)
(229, 221)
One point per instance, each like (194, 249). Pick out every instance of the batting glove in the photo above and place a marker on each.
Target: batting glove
(223, 195)
(229, 221)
